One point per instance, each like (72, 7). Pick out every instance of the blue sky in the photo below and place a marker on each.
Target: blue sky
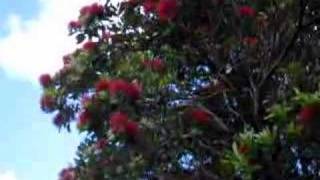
(33, 38)
(30, 146)
(27, 10)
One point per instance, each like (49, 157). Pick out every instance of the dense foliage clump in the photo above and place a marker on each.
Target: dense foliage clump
(181, 89)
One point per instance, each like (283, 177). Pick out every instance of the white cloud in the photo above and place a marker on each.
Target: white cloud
(7, 175)
(36, 46)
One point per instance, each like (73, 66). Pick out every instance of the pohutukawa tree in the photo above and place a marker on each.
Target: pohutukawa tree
(182, 89)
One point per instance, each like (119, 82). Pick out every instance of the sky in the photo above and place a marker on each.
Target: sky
(33, 39)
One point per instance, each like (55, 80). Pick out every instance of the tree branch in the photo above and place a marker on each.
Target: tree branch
(285, 52)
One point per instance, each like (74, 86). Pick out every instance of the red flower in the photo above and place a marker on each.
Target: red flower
(247, 11)
(102, 85)
(47, 103)
(66, 59)
(132, 90)
(118, 122)
(244, 149)
(89, 46)
(156, 65)
(133, 2)
(101, 143)
(308, 113)
(74, 25)
(117, 85)
(149, 6)
(85, 10)
(67, 174)
(200, 116)
(84, 119)
(132, 128)
(58, 120)
(45, 80)
(250, 40)
(96, 9)
(167, 9)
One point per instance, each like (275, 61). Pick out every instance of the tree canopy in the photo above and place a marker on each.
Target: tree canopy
(181, 89)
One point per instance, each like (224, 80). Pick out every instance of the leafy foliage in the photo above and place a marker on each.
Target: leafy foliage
(181, 89)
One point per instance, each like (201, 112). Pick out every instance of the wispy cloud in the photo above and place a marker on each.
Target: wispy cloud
(36, 46)
(7, 175)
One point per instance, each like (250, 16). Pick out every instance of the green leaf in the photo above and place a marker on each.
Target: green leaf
(80, 38)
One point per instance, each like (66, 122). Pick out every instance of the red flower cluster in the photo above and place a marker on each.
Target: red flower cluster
(166, 9)
(89, 46)
(102, 85)
(309, 113)
(120, 123)
(47, 103)
(133, 2)
(150, 5)
(45, 80)
(101, 143)
(132, 128)
(58, 120)
(247, 11)
(92, 10)
(156, 64)
(200, 116)
(74, 25)
(132, 90)
(96, 9)
(244, 149)
(67, 174)
(250, 40)
(84, 119)
(118, 120)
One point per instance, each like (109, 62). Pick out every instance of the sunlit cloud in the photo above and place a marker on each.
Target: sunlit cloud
(7, 175)
(36, 46)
